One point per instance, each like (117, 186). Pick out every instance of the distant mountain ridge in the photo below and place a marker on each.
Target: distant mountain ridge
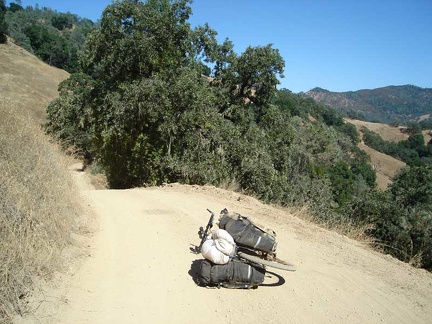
(392, 104)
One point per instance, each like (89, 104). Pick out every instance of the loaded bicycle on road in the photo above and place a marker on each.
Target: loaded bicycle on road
(237, 253)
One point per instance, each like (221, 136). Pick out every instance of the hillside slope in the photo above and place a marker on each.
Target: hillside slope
(139, 268)
(26, 81)
(387, 132)
(385, 166)
(38, 206)
(388, 104)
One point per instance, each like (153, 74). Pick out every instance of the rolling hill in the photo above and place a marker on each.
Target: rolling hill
(392, 104)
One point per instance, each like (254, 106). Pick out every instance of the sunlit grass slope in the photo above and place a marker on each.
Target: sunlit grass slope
(37, 203)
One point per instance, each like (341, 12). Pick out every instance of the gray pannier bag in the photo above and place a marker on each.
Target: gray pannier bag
(235, 274)
(246, 233)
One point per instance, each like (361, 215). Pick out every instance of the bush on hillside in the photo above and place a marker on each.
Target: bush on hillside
(401, 217)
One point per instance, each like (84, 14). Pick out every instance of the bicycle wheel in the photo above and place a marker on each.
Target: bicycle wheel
(274, 264)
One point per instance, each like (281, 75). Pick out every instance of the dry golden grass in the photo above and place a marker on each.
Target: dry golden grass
(427, 136)
(38, 208)
(385, 166)
(340, 226)
(387, 132)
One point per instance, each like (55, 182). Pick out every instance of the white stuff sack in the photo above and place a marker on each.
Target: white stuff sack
(218, 249)
(222, 234)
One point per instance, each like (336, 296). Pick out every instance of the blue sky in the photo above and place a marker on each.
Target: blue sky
(333, 44)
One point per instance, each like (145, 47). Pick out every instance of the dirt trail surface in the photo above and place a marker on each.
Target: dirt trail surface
(139, 268)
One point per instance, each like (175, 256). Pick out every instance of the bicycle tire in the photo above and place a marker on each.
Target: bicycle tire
(272, 264)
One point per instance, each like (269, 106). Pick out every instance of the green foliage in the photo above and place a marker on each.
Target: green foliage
(413, 128)
(299, 105)
(389, 221)
(288, 102)
(253, 75)
(250, 77)
(62, 21)
(14, 7)
(412, 187)
(342, 179)
(54, 37)
(412, 191)
(3, 25)
(355, 115)
(69, 116)
(204, 69)
(152, 120)
(426, 124)
(401, 216)
(330, 117)
(351, 131)
(50, 47)
(365, 171)
(137, 40)
(158, 134)
(16, 22)
(362, 167)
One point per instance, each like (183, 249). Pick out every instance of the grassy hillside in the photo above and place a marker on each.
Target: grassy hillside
(37, 203)
(386, 167)
(387, 132)
(27, 82)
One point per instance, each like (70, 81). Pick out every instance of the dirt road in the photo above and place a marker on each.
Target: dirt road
(140, 270)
